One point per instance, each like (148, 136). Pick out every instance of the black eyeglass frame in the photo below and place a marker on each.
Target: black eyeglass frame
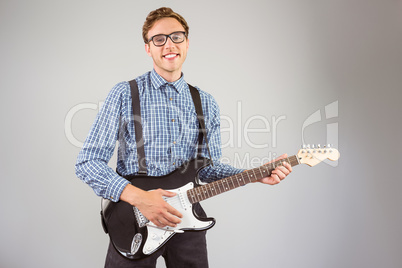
(168, 35)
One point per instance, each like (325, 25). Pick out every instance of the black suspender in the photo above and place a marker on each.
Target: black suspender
(135, 100)
(195, 94)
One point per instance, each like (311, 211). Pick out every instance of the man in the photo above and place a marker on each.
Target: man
(170, 132)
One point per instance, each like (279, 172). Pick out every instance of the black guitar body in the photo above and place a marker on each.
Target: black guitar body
(128, 233)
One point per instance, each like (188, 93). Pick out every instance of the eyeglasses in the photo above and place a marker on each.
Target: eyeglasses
(160, 39)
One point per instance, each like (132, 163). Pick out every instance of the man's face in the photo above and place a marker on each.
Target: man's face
(169, 58)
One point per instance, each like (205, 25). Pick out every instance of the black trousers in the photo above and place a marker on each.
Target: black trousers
(185, 250)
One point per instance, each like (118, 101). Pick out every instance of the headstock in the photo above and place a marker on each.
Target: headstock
(316, 154)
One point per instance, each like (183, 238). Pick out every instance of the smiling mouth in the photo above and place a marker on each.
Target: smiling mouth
(171, 55)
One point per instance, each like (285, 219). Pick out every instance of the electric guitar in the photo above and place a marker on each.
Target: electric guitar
(135, 237)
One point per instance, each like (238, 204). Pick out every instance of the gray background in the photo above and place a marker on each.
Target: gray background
(273, 58)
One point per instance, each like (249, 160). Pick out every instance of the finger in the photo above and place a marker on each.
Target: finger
(158, 223)
(172, 211)
(168, 207)
(275, 178)
(162, 222)
(279, 174)
(157, 220)
(283, 170)
(288, 166)
(165, 221)
(167, 193)
(171, 220)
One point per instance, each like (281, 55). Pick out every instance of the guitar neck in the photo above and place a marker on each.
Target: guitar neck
(206, 191)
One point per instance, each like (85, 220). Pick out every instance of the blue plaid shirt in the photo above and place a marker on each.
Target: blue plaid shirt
(170, 130)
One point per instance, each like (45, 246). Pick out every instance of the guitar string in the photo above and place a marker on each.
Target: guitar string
(223, 185)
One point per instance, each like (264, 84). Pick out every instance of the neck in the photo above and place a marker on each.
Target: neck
(169, 76)
(252, 175)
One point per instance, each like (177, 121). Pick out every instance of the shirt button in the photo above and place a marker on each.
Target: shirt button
(173, 120)
(170, 99)
(174, 164)
(174, 142)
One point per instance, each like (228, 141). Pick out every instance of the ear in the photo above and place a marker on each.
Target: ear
(148, 50)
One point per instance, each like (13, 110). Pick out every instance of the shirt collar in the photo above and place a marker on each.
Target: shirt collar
(158, 81)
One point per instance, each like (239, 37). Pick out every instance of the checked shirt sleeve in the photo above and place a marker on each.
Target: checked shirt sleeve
(92, 162)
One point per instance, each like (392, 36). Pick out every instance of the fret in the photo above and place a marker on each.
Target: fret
(270, 167)
(248, 176)
(267, 170)
(231, 183)
(205, 191)
(237, 179)
(241, 180)
(253, 177)
(227, 185)
(232, 179)
(208, 191)
(223, 183)
(227, 188)
(220, 186)
(193, 196)
(190, 196)
(288, 160)
(213, 191)
(199, 196)
(261, 173)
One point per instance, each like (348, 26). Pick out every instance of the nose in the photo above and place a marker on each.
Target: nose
(169, 42)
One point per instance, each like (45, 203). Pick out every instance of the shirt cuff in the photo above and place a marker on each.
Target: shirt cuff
(115, 187)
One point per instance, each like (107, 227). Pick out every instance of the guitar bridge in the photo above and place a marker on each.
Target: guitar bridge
(141, 220)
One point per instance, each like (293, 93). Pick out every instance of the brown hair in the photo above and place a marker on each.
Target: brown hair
(160, 13)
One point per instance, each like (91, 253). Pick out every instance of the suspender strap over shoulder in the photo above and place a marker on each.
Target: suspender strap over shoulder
(135, 100)
(195, 94)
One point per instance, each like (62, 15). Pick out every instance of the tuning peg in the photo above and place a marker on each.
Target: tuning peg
(318, 146)
(308, 146)
(303, 146)
(329, 145)
(312, 146)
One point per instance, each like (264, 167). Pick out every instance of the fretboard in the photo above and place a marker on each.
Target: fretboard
(206, 191)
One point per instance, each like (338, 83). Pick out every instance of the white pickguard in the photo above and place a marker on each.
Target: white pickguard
(158, 236)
